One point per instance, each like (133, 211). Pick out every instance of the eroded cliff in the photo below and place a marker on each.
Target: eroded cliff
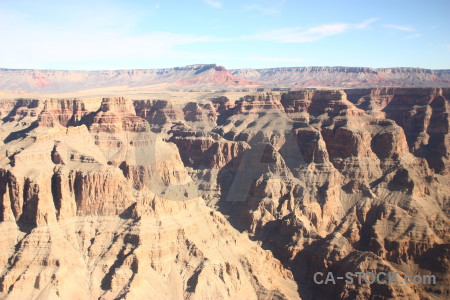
(139, 198)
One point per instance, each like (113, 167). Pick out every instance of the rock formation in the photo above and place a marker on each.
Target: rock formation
(347, 77)
(213, 77)
(226, 199)
(87, 211)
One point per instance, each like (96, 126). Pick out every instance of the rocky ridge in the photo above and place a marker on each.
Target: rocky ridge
(349, 77)
(323, 180)
(213, 77)
(105, 210)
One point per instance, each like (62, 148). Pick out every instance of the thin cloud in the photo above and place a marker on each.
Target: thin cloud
(296, 35)
(299, 35)
(262, 10)
(366, 23)
(26, 46)
(401, 28)
(214, 3)
(413, 36)
(275, 59)
(229, 58)
(61, 47)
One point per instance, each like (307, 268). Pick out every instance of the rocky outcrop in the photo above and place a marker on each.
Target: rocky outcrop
(116, 115)
(423, 115)
(203, 113)
(258, 103)
(213, 74)
(158, 113)
(222, 104)
(113, 257)
(311, 145)
(138, 199)
(210, 150)
(23, 109)
(347, 77)
(59, 81)
(317, 102)
(349, 158)
(83, 218)
(62, 112)
(214, 77)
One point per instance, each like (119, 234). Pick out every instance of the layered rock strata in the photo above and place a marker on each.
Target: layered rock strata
(105, 211)
(323, 180)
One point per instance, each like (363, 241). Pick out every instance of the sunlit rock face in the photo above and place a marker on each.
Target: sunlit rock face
(148, 198)
(209, 77)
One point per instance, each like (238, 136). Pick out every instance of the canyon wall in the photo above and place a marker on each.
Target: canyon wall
(222, 198)
(206, 77)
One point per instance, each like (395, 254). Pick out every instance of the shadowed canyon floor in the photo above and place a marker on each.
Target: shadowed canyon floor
(225, 195)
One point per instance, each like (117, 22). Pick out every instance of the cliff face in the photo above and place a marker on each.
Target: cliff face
(106, 209)
(330, 183)
(60, 81)
(347, 77)
(211, 76)
(63, 112)
(422, 114)
(139, 198)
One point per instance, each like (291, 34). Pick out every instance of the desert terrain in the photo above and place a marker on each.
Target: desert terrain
(200, 182)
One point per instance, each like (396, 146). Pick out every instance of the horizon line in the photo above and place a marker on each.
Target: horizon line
(217, 65)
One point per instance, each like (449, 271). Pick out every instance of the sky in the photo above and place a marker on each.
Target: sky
(145, 34)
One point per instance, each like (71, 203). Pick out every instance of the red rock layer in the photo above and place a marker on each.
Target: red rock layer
(63, 112)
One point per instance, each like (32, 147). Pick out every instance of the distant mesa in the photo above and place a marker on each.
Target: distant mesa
(214, 74)
(215, 77)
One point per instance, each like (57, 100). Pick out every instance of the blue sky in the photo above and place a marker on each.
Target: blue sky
(237, 34)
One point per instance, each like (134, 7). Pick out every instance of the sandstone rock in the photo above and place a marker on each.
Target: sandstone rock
(210, 151)
(63, 112)
(114, 196)
(158, 113)
(115, 115)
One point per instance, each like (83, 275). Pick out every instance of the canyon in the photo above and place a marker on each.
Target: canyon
(224, 194)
